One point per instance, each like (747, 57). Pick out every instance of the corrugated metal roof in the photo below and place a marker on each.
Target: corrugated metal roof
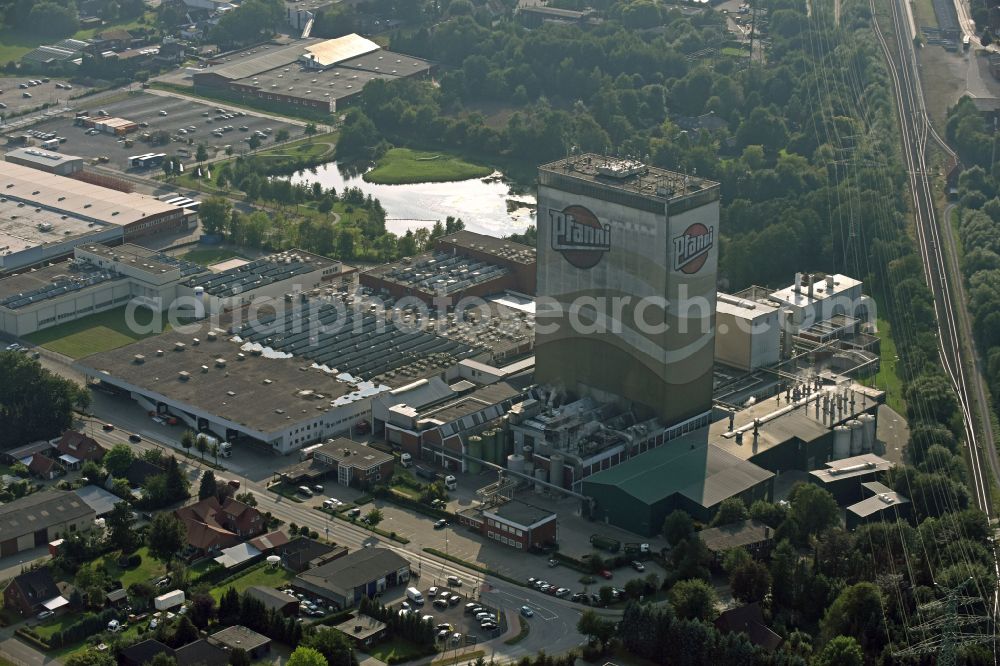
(704, 473)
(267, 57)
(332, 51)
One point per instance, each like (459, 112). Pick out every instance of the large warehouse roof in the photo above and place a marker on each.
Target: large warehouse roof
(260, 59)
(75, 197)
(265, 394)
(703, 473)
(333, 51)
(44, 158)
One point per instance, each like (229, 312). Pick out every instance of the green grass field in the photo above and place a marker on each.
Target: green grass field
(402, 165)
(924, 10)
(148, 570)
(211, 255)
(886, 378)
(261, 574)
(94, 333)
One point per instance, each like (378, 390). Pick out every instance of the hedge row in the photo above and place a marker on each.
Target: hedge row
(29, 637)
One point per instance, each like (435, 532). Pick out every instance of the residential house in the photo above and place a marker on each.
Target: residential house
(212, 526)
(43, 467)
(33, 592)
(198, 653)
(751, 535)
(80, 446)
(116, 39)
(749, 620)
(270, 542)
(171, 53)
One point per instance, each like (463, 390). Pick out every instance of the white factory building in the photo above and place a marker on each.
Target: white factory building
(814, 298)
(747, 332)
(98, 278)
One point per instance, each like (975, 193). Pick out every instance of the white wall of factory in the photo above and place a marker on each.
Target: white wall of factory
(298, 433)
(110, 235)
(73, 305)
(747, 334)
(641, 264)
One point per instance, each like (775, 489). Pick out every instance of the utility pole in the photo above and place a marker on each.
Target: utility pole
(945, 635)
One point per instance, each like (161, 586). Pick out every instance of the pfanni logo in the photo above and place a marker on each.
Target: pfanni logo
(691, 248)
(579, 236)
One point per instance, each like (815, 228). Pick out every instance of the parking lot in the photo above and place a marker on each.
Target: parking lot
(441, 606)
(47, 91)
(154, 113)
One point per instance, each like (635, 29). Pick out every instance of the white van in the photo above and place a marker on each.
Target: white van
(413, 594)
(450, 482)
(406, 460)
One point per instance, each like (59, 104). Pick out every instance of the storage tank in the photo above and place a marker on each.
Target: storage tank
(515, 463)
(857, 435)
(841, 442)
(474, 447)
(540, 474)
(489, 446)
(868, 432)
(529, 468)
(496, 456)
(556, 461)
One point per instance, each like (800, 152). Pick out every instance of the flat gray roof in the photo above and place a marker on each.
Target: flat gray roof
(357, 568)
(334, 83)
(143, 259)
(876, 503)
(49, 282)
(260, 272)
(848, 468)
(44, 158)
(520, 513)
(259, 59)
(354, 454)
(499, 247)
(238, 636)
(633, 176)
(266, 394)
(41, 510)
(76, 197)
(21, 225)
(743, 533)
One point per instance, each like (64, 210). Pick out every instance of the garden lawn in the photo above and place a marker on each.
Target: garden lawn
(94, 333)
(886, 379)
(402, 165)
(260, 574)
(148, 570)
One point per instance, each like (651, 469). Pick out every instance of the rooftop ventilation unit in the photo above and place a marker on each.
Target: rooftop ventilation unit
(138, 359)
(183, 375)
(220, 362)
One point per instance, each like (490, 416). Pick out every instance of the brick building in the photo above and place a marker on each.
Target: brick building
(515, 524)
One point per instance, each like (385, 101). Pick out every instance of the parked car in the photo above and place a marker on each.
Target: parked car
(304, 490)
(441, 524)
(433, 591)
(454, 599)
(638, 566)
(45, 614)
(526, 611)
(553, 563)
(606, 574)
(317, 488)
(441, 603)
(562, 592)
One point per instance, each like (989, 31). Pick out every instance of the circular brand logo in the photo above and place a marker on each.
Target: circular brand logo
(579, 236)
(692, 248)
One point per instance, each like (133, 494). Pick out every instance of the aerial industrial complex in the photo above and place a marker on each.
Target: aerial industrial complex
(731, 394)
(309, 73)
(43, 215)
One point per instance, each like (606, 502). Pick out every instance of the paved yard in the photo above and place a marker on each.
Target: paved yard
(43, 93)
(180, 114)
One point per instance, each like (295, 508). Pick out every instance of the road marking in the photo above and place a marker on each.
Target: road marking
(546, 614)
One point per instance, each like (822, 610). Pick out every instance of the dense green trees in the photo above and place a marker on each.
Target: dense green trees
(34, 403)
(251, 22)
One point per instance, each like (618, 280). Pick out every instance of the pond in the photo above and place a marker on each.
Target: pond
(485, 205)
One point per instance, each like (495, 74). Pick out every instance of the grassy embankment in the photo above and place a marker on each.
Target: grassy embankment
(402, 165)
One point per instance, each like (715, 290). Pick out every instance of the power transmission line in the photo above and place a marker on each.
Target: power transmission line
(946, 626)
